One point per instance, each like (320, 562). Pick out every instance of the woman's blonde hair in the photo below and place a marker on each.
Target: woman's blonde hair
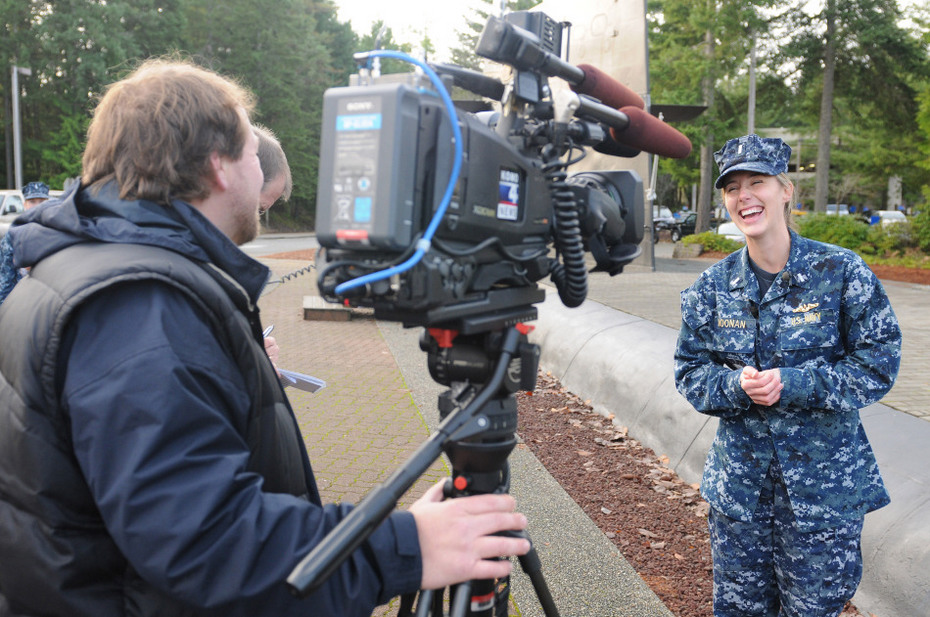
(789, 211)
(154, 131)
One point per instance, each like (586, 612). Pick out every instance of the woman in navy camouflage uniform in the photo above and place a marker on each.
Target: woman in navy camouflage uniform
(784, 341)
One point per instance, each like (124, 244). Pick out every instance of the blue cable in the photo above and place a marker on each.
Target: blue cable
(424, 243)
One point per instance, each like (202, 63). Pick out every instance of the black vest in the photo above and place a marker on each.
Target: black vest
(52, 541)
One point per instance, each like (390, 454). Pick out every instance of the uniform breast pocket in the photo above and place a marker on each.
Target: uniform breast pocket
(803, 336)
(734, 337)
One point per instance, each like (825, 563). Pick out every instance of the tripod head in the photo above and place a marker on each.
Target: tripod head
(464, 362)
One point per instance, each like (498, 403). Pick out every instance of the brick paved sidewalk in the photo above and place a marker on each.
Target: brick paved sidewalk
(364, 424)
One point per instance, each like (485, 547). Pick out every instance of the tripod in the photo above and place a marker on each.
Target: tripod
(477, 434)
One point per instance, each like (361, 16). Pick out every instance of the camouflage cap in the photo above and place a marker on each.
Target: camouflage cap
(766, 155)
(35, 190)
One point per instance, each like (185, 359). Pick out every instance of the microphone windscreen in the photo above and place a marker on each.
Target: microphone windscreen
(646, 132)
(606, 89)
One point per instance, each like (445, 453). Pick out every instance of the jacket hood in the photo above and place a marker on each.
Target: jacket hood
(82, 215)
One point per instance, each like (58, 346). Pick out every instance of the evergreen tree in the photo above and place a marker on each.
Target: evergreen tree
(289, 51)
(74, 48)
(382, 37)
(879, 68)
(856, 70)
(283, 51)
(695, 51)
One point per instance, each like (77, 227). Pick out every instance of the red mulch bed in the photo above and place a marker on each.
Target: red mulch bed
(902, 274)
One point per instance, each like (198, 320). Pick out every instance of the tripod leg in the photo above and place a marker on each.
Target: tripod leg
(425, 602)
(532, 566)
(438, 600)
(461, 600)
(406, 605)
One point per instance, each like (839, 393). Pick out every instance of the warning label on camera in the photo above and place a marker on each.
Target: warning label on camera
(355, 155)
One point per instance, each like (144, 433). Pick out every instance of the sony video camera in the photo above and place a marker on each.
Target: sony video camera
(437, 216)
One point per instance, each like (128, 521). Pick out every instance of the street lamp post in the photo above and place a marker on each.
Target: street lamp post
(752, 87)
(17, 137)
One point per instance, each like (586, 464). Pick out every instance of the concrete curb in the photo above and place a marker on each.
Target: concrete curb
(624, 365)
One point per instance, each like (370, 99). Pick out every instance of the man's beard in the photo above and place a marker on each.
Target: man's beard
(247, 226)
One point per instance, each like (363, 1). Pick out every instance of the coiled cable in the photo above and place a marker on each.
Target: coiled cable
(571, 275)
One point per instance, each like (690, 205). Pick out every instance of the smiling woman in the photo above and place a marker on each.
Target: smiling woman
(763, 347)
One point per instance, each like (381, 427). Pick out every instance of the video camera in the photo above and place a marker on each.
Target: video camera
(447, 218)
(437, 216)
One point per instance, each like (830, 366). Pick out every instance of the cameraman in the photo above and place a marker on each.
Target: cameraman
(150, 463)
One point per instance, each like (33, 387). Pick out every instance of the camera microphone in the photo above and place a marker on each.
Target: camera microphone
(599, 138)
(646, 132)
(598, 84)
(633, 129)
(786, 278)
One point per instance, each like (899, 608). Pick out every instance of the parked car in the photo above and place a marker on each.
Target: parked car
(841, 209)
(890, 217)
(686, 226)
(662, 217)
(731, 231)
(11, 206)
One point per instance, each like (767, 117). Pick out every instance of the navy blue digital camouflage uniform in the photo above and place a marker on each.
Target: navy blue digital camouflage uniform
(801, 472)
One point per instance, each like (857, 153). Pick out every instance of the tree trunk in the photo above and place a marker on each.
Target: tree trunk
(822, 191)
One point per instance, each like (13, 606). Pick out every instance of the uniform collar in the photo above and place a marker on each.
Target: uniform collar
(741, 276)
(796, 268)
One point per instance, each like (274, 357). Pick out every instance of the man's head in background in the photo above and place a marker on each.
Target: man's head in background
(278, 181)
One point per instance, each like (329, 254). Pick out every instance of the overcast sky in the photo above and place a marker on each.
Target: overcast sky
(441, 19)
(410, 19)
